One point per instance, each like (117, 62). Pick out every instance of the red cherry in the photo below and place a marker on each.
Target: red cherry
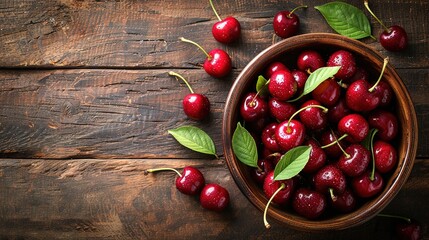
(265, 166)
(394, 39)
(365, 187)
(196, 106)
(355, 126)
(280, 110)
(411, 230)
(327, 93)
(327, 138)
(271, 186)
(217, 64)
(309, 203)
(386, 123)
(346, 61)
(269, 137)
(282, 85)
(314, 118)
(359, 98)
(361, 73)
(317, 157)
(214, 197)
(253, 108)
(274, 67)
(345, 202)
(338, 111)
(310, 60)
(330, 180)
(357, 161)
(385, 156)
(227, 30)
(385, 92)
(300, 78)
(286, 24)
(290, 134)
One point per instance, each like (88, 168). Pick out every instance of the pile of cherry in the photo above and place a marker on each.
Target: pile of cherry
(337, 120)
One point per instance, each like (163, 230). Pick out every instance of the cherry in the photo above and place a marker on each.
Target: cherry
(332, 145)
(273, 67)
(357, 161)
(385, 156)
(345, 202)
(282, 85)
(317, 157)
(196, 106)
(300, 78)
(385, 93)
(367, 184)
(253, 108)
(338, 111)
(313, 115)
(286, 24)
(214, 197)
(309, 61)
(360, 74)
(355, 126)
(346, 61)
(327, 93)
(227, 30)
(265, 166)
(217, 64)
(408, 230)
(386, 123)
(290, 134)
(309, 203)
(269, 137)
(190, 182)
(280, 110)
(330, 180)
(393, 38)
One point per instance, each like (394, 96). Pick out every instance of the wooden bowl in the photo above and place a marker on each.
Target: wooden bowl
(406, 143)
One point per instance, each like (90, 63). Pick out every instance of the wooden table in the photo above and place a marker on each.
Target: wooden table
(86, 102)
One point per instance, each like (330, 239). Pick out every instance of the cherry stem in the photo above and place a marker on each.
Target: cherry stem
(334, 142)
(372, 155)
(258, 92)
(376, 18)
(339, 145)
(267, 225)
(385, 62)
(163, 169)
(293, 10)
(394, 216)
(196, 44)
(331, 192)
(171, 73)
(214, 10)
(325, 110)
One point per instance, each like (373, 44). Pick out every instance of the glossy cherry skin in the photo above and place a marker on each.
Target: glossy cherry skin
(346, 61)
(253, 107)
(191, 182)
(282, 85)
(196, 106)
(329, 177)
(274, 67)
(214, 197)
(385, 93)
(317, 157)
(265, 166)
(309, 203)
(227, 31)
(395, 39)
(310, 60)
(271, 186)
(359, 98)
(300, 78)
(338, 111)
(386, 123)
(358, 161)
(408, 230)
(345, 202)
(327, 93)
(385, 156)
(290, 135)
(360, 74)
(218, 64)
(285, 24)
(333, 151)
(268, 137)
(313, 118)
(364, 187)
(355, 126)
(280, 110)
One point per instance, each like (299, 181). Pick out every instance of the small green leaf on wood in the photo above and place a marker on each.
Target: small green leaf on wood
(292, 162)
(262, 86)
(195, 139)
(244, 146)
(346, 19)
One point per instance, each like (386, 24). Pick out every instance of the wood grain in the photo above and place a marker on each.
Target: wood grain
(72, 33)
(122, 113)
(95, 199)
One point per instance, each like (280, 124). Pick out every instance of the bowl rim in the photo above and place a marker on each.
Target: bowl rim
(354, 218)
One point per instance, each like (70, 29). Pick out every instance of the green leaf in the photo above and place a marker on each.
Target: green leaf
(244, 146)
(194, 139)
(262, 86)
(346, 19)
(292, 162)
(318, 76)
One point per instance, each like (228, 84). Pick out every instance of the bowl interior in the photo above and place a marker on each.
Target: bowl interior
(287, 51)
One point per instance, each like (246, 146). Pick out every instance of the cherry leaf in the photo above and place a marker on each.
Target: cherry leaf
(195, 139)
(292, 162)
(244, 146)
(346, 19)
(262, 86)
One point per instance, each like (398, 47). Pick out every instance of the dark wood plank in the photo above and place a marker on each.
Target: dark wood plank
(122, 113)
(67, 33)
(103, 199)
